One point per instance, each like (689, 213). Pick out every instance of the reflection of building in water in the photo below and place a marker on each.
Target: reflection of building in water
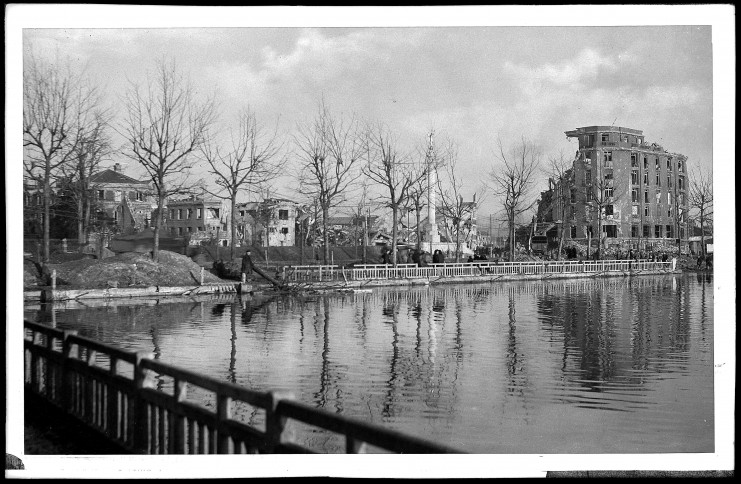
(615, 329)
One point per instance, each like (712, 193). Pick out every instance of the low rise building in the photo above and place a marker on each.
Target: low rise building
(271, 222)
(199, 219)
(128, 203)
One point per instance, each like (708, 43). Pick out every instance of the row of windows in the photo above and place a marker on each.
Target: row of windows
(282, 214)
(118, 194)
(660, 231)
(187, 213)
(634, 197)
(669, 180)
(634, 159)
(647, 211)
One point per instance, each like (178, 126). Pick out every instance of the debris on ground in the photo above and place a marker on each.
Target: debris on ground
(132, 269)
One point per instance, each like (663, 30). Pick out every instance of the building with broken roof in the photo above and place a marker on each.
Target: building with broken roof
(636, 191)
(126, 202)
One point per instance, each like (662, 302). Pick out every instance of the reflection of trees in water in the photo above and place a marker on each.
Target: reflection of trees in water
(612, 328)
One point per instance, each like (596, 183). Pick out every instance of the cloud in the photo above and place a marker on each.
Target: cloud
(573, 73)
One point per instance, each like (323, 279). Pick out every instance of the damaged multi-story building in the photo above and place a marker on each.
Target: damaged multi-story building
(632, 191)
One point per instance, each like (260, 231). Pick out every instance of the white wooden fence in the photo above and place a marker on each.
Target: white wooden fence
(364, 272)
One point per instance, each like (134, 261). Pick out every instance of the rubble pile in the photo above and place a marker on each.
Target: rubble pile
(132, 269)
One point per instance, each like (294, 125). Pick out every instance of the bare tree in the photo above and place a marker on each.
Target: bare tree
(393, 170)
(701, 200)
(93, 146)
(417, 201)
(328, 152)
(165, 126)
(601, 195)
(561, 171)
(54, 100)
(458, 212)
(512, 180)
(252, 158)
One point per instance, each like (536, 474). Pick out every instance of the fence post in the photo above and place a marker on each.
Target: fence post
(68, 381)
(89, 397)
(34, 362)
(275, 423)
(177, 422)
(223, 413)
(142, 380)
(54, 280)
(113, 408)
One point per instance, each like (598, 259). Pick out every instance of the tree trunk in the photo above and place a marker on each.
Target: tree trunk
(419, 230)
(394, 231)
(325, 236)
(157, 227)
(232, 226)
(47, 209)
(86, 219)
(80, 221)
(561, 236)
(511, 223)
(702, 232)
(458, 242)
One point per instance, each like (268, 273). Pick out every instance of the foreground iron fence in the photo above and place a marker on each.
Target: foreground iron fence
(145, 406)
(362, 272)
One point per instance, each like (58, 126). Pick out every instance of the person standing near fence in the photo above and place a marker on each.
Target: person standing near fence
(247, 266)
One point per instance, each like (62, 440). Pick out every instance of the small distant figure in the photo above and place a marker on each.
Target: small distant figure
(247, 266)
(699, 261)
(709, 261)
(664, 257)
(470, 258)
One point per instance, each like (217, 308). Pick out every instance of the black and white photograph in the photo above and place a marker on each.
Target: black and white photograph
(396, 242)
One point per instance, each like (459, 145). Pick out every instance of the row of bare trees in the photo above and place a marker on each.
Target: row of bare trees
(64, 137)
(168, 129)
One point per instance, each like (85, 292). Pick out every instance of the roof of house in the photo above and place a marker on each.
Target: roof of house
(112, 176)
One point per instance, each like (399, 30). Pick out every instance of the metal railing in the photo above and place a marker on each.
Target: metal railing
(143, 404)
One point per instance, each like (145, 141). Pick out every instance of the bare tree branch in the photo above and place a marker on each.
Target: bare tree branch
(252, 158)
(512, 181)
(165, 127)
(393, 170)
(327, 151)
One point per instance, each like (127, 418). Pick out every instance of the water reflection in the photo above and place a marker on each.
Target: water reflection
(501, 367)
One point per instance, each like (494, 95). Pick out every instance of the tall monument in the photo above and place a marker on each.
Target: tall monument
(431, 233)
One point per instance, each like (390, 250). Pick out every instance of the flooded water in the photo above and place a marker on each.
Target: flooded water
(616, 365)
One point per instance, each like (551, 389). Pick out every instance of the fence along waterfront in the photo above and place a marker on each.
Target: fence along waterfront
(121, 395)
(362, 272)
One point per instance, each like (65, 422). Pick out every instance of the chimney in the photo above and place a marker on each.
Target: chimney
(117, 167)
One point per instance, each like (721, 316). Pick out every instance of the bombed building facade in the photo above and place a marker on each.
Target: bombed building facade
(624, 188)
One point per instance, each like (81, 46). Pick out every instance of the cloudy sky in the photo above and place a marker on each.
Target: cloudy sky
(473, 84)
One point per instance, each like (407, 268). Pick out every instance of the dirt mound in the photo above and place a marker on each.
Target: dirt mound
(132, 269)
